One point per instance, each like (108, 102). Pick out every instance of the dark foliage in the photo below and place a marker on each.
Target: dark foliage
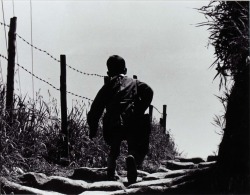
(228, 23)
(32, 140)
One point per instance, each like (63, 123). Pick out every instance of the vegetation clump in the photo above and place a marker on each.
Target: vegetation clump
(32, 140)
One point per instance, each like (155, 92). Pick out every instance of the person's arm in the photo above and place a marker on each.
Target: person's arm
(145, 94)
(96, 111)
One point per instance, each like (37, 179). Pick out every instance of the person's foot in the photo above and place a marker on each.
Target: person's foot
(111, 176)
(131, 169)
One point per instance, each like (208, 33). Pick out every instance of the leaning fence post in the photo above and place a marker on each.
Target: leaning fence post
(11, 67)
(151, 113)
(63, 90)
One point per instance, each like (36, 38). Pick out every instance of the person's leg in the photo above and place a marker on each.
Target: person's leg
(137, 150)
(131, 160)
(131, 169)
(138, 146)
(141, 151)
(113, 155)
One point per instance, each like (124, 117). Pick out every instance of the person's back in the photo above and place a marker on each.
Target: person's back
(120, 107)
(125, 100)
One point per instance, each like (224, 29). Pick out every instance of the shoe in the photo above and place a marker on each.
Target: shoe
(131, 169)
(112, 178)
(111, 175)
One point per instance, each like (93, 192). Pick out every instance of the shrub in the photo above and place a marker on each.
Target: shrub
(32, 140)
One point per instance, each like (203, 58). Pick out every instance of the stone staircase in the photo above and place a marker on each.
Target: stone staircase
(92, 181)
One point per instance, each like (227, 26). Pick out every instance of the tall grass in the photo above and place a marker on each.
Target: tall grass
(32, 140)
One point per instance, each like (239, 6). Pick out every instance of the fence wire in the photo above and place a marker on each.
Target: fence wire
(43, 80)
(57, 60)
(157, 110)
(56, 88)
(3, 24)
(51, 56)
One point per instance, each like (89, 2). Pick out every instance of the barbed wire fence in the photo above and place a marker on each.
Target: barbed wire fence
(46, 82)
(56, 60)
(63, 92)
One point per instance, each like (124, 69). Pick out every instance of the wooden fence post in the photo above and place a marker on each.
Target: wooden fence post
(151, 113)
(63, 90)
(164, 117)
(11, 68)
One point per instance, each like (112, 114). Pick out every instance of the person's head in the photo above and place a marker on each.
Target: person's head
(116, 65)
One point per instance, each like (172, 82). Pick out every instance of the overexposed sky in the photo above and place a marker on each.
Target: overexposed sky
(159, 41)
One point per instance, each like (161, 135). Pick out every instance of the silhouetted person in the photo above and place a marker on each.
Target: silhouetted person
(125, 100)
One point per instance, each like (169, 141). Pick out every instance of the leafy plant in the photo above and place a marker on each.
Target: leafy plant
(32, 139)
(228, 23)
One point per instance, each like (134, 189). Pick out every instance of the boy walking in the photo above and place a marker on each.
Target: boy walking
(125, 100)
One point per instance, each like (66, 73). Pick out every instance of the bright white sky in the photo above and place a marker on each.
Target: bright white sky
(158, 40)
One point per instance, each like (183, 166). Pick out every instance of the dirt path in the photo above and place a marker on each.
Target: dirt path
(88, 181)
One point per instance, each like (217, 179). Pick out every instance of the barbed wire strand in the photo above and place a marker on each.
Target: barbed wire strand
(43, 80)
(32, 56)
(3, 24)
(157, 110)
(57, 60)
(44, 51)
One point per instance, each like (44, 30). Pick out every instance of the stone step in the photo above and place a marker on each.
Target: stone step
(67, 185)
(170, 174)
(90, 181)
(195, 160)
(9, 187)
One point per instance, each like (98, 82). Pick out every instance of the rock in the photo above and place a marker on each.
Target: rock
(155, 176)
(173, 165)
(212, 158)
(162, 169)
(206, 164)
(96, 193)
(106, 186)
(125, 180)
(144, 190)
(170, 174)
(90, 174)
(34, 179)
(65, 185)
(117, 192)
(11, 187)
(177, 173)
(142, 173)
(195, 160)
(158, 182)
(53, 183)
(165, 162)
